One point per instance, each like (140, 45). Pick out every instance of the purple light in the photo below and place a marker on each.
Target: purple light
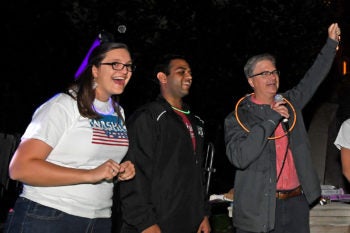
(85, 61)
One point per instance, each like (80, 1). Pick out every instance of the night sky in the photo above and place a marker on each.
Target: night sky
(45, 42)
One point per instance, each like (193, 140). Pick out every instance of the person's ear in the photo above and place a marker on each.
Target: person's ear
(94, 72)
(161, 77)
(251, 83)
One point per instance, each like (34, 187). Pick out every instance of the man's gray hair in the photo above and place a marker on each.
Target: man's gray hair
(251, 63)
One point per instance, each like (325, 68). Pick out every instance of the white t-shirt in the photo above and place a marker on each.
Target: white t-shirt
(343, 138)
(77, 142)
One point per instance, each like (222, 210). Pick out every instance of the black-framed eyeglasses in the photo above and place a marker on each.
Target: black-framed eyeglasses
(265, 74)
(120, 66)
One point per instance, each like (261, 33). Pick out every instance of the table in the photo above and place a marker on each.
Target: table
(330, 218)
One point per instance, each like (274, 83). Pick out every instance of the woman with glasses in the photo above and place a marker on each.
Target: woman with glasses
(70, 154)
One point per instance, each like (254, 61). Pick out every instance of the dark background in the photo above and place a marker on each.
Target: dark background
(44, 43)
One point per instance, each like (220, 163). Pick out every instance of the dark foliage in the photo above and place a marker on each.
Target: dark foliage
(48, 40)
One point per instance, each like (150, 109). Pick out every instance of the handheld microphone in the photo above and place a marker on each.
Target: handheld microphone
(279, 98)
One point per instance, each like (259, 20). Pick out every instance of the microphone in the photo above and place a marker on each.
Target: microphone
(279, 98)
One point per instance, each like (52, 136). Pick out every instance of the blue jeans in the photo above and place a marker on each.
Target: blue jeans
(30, 217)
(292, 216)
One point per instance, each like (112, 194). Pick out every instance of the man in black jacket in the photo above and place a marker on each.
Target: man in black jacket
(166, 144)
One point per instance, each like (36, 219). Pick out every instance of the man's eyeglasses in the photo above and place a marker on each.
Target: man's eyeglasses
(120, 66)
(265, 74)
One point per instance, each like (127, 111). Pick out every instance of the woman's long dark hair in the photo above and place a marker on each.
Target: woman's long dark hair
(82, 89)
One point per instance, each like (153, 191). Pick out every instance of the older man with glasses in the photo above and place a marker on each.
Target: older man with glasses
(266, 140)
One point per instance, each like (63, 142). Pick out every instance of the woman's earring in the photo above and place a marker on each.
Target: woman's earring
(94, 84)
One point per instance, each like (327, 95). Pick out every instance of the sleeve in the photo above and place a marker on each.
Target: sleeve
(343, 137)
(244, 148)
(301, 94)
(135, 194)
(51, 119)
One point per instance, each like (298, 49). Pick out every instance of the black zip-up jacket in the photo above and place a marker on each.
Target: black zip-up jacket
(168, 188)
(254, 155)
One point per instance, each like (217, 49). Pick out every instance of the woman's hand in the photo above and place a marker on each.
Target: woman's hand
(127, 171)
(106, 171)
